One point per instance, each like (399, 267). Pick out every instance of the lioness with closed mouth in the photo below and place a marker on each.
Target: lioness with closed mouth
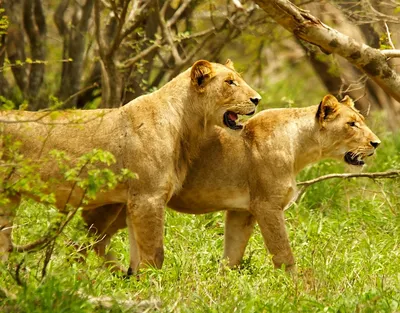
(253, 179)
(155, 136)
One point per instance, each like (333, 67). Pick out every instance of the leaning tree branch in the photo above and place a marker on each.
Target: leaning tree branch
(374, 176)
(309, 28)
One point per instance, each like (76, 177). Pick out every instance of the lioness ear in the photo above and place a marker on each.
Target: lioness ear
(327, 109)
(229, 64)
(202, 71)
(348, 101)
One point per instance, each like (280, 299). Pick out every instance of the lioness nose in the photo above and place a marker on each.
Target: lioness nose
(375, 144)
(255, 100)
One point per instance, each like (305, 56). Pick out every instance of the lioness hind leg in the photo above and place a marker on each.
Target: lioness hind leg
(7, 214)
(238, 229)
(104, 222)
(145, 221)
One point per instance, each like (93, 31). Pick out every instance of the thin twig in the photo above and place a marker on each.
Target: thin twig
(46, 113)
(305, 184)
(47, 258)
(31, 246)
(388, 174)
(141, 55)
(172, 21)
(94, 85)
(389, 36)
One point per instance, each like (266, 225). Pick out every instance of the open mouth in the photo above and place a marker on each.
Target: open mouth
(231, 120)
(353, 159)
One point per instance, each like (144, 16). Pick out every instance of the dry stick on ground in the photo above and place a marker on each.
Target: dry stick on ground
(4, 293)
(377, 175)
(129, 305)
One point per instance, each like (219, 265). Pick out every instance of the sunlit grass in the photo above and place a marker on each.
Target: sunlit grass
(345, 235)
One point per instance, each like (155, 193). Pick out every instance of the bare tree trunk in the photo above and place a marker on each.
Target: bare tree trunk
(15, 44)
(4, 86)
(35, 27)
(74, 46)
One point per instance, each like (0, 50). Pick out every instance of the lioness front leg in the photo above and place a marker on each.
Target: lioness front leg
(7, 214)
(238, 229)
(145, 221)
(272, 225)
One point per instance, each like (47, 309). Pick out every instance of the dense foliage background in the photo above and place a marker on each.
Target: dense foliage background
(89, 53)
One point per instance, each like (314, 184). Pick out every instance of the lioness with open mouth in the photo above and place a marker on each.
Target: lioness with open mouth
(155, 136)
(253, 179)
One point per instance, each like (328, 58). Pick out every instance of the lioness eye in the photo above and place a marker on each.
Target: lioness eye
(352, 124)
(231, 82)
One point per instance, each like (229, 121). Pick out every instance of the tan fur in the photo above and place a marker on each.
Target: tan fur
(254, 178)
(155, 136)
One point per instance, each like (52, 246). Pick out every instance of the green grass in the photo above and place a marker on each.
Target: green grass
(345, 235)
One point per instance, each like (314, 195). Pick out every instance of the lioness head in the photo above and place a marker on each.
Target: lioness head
(344, 134)
(229, 92)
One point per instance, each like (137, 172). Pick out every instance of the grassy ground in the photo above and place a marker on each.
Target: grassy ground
(345, 235)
